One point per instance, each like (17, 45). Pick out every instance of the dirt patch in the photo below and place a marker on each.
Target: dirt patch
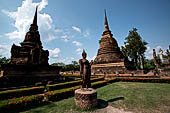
(110, 109)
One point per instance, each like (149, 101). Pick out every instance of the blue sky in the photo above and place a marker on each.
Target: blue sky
(68, 26)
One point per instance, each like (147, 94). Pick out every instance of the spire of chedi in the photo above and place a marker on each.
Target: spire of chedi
(35, 17)
(106, 26)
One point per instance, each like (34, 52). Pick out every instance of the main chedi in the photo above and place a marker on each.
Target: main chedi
(109, 58)
(30, 51)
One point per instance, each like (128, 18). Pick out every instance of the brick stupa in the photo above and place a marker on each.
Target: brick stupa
(109, 58)
(30, 51)
(29, 62)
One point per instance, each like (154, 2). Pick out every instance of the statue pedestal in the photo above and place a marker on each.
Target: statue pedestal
(86, 98)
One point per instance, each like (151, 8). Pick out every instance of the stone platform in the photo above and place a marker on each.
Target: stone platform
(86, 98)
(17, 75)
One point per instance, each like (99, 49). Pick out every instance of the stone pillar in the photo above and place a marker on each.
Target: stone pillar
(154, 58)
(86, 98)
(163, 60)
(1, 73)
(161, 55)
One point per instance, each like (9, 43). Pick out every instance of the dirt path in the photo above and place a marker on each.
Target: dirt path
(110, 109)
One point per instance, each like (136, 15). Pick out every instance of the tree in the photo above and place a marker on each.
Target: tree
(149, 64)
(74, 62)
(134, 47)
(74, 66)
(4, 60)
(58, 64)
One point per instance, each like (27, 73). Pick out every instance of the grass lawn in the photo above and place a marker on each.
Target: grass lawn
(131, 96)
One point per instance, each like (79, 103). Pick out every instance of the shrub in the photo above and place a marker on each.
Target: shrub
(69, 84)
(63, 85)
(152, 80)
(21, 103)
(8, 94)
(60, 94)
(99, 84)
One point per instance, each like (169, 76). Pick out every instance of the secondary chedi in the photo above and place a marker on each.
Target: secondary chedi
(29, 62)
(109, 58)
(30, 51)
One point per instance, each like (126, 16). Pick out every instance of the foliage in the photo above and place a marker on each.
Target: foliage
(70, 84)
(58, 64)
(61, 94)
(63, 85)
(4, 60)
(8, 94)
(18, 104)
(74, 66)
(149, 80)
(149, 64)
(134, 46)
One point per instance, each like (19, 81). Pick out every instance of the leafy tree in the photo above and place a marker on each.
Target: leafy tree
(134, 47)
(4, 60)
(58, 64)
(75, 63)
(149, 64)
(74, 66)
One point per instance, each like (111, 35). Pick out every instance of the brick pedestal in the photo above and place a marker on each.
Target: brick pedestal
(86, 98)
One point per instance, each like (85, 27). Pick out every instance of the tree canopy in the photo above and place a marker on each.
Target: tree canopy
(74, 66)
(4, 60)
(134, 46)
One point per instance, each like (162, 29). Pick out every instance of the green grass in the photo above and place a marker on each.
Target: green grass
(144, 97)
(131, 96)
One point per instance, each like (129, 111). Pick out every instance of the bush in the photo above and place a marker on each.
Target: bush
(18, 104)
(99, 84)
(70, 84)
(8, 94)
(61, 94)
(152, 80)
(63, 85)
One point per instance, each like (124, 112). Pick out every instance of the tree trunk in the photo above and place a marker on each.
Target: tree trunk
(141, 62)
(136, 62)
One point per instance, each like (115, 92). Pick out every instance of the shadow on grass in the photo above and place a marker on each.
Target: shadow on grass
(104, 104)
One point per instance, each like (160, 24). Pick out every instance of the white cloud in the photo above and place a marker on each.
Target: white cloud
(86, 33)
(67, 60)
(91, 58)
(65, 38)
(79, 51)
(158, 47)
(4, 50)
(76, 43)
(76, 29)
(23, 18)
(54, 53)
(149, 53)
